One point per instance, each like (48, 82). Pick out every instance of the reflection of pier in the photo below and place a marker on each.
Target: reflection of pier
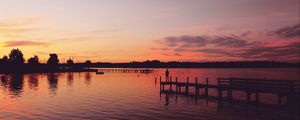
(282, 88)
(142, 71)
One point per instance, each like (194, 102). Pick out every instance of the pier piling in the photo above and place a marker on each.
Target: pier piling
(206, 88)
(187, 85)
(281, 88)
(170, 83)
(176, 84)
(196, 87)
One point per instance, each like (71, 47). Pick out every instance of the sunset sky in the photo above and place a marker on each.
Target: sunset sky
(138, 30)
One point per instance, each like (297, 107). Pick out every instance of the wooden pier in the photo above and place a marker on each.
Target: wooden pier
(142, 71)
(290, 89)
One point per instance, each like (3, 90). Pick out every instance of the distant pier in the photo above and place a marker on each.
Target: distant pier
(119, 70)
(289, 89)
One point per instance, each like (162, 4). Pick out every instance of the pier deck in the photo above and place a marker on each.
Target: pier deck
(290, 89)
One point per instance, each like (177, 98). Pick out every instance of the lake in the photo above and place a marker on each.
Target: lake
(124, 95)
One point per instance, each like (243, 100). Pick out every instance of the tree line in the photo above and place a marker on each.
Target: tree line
(16, 58)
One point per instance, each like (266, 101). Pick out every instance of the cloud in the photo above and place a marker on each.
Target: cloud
(287, 32)
(74, 39)
(15, 43)
(185, 42)
(166, 54)
(15, 30)
(107, 31)
(43, 53)
(283, 45)
(245, 33)
(20, 21)
(275, 52)
(12, 28)
(289, 52)
(231, 41)
(215, 52)
(165, 48)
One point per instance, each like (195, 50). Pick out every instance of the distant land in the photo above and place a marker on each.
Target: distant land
(90, 67)
(235, 64)
(15, 63)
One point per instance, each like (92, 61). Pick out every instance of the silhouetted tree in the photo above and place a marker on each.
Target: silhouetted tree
(70, 61)
(4, 60)
(88, 62)
(53, 59)
(33, 60)
(16, 57)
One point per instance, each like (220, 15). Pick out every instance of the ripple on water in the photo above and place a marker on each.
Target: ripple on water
(116, 96)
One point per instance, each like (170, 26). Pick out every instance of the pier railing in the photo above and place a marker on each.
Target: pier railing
(282, 88)
(261, 85)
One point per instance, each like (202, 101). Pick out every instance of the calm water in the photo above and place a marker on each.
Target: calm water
(129, 96)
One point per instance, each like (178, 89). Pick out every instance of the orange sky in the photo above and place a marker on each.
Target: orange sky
(138, 30)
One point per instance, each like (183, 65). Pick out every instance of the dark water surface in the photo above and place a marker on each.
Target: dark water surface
(117, 95)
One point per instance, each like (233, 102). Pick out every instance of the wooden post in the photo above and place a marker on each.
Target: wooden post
(291, 87)
(248, 96)
(176, 85)
(229, 91)
(187, 85)
(170, 83)
(289, 96)
(160, 82)
(179, 89)
(220, 92)
(196, 87)
(160, 79)
(257, 97)
(206, 88)
(228, 94)
(163, 85)
(279, 99)
(279, 96)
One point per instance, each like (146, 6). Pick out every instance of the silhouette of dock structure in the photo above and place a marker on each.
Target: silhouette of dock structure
(145, 71)
(289, 89)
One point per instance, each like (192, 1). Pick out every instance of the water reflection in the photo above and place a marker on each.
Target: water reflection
(14, 83)
(53, 81)
(4, 81)
(167, 99)
(121, 96)
(33, 81)
(241, 109)
(70, 78)
(87, 78)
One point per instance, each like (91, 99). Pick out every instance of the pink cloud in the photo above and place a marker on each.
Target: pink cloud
(21, 21)
(24, 43)
(279, 46)
(282, 42)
